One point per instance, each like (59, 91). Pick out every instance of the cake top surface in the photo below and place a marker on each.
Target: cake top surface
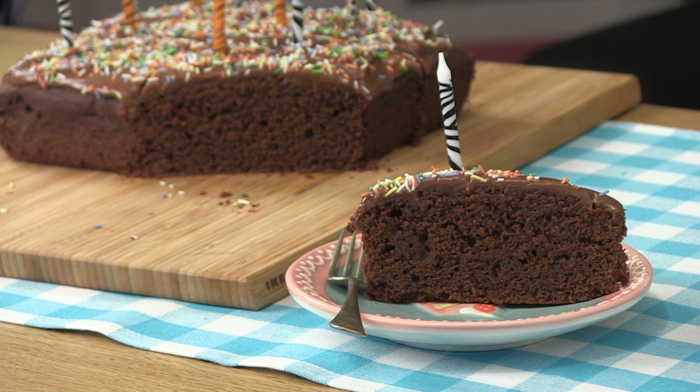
(477, 176)
(175, 44)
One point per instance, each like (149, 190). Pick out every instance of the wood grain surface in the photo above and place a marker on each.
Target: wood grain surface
(110, 366)
(183, 240)
(664, 116)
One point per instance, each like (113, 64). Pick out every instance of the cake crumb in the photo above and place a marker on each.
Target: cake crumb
(202, 193)
(245, 196)
(134, 237)
(3, 210)
(309, 176)
(224, 194)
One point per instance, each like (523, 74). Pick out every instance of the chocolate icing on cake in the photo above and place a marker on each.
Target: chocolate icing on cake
(469, 180)
(172, 42)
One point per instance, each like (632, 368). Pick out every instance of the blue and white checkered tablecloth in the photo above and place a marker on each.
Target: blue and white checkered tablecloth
(654, 346)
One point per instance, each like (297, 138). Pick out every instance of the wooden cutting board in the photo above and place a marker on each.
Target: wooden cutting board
(183, 240)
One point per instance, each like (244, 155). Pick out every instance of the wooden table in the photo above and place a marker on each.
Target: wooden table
(36, 359)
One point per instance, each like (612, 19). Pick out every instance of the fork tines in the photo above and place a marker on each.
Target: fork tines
(334, 273)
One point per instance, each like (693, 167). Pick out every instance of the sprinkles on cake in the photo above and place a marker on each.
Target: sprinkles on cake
(408, 182)
(174, 42)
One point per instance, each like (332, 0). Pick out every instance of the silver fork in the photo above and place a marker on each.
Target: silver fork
(348, 319)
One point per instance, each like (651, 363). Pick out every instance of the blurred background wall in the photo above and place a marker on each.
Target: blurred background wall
(500, 30)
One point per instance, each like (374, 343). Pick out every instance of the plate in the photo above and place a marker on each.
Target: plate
(459, 327)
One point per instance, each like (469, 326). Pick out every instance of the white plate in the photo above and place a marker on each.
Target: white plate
(460, 327)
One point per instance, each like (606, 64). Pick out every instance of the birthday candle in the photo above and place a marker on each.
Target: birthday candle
(449, 114)
(353, 8)
(65, 21)
(371, 5)
(298, 20)
(219, 18)
(197, 2)
(280, 10)
(129, 13)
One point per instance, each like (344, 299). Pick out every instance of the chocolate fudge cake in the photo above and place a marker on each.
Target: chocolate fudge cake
(495, 237)
(161, 101)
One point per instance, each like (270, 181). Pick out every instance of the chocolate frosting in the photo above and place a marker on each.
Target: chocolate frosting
(173, 46)
(587, 197)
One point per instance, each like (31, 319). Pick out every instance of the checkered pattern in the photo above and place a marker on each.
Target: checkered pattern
(654, 346)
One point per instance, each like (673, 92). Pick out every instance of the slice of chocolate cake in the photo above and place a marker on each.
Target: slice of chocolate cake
(161, 101)
(495, 237)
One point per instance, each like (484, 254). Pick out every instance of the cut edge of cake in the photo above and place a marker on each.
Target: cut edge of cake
(498, 237)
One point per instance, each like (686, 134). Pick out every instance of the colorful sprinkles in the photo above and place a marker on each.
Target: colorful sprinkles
(408, 182)
(174, 42)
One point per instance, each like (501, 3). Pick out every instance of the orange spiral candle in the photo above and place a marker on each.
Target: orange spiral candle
(280, 11)
(129, 13)
(219, 35)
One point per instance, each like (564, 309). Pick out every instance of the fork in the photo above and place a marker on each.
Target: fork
(348, 319)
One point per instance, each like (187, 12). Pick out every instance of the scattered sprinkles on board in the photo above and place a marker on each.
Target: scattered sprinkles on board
(408, 182)
(169, 194)
(175, 43)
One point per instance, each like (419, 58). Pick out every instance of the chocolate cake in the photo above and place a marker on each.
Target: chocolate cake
(160, 101)
(489, 237)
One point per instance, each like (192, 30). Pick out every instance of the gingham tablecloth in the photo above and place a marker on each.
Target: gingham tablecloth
(654, 346)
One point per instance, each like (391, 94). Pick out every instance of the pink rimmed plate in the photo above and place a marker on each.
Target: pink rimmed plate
(460, 327)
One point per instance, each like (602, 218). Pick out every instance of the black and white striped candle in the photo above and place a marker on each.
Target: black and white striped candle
(371, 5)
(354, 11)
(65, 21)
(449, 113)
(297, 20)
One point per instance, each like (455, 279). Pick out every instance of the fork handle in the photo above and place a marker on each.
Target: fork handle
(348, 319)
